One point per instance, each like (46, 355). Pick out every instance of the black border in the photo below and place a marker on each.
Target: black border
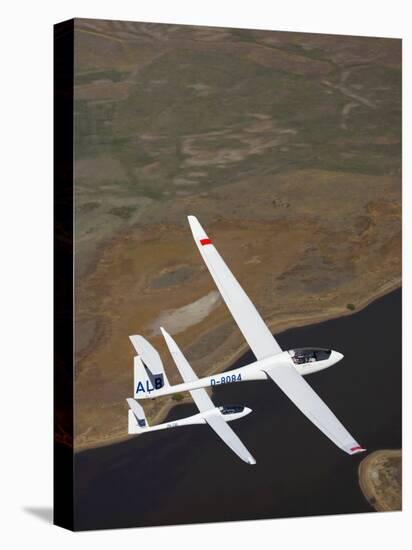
(63, 274)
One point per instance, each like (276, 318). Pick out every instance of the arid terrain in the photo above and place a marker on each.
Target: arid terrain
(286, 146)
(380, 478)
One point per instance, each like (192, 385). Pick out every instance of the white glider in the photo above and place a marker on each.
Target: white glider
(215, 417)
(285, 368)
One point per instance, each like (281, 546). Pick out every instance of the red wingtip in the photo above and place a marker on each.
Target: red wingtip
(357, 449)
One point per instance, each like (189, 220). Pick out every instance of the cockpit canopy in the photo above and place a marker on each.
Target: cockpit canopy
(231, 409)
(309, 355)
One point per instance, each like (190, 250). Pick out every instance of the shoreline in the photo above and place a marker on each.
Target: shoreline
(276, 327)
(370, 481)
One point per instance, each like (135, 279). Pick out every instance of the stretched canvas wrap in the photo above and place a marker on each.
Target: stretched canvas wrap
(227, 274)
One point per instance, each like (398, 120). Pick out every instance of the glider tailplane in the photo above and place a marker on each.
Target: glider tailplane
(137, 418)
(149, 372)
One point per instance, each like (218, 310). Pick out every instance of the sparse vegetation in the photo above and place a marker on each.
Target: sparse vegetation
(222, 129)
(177, 396)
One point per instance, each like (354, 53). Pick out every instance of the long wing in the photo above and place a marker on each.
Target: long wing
(204, 403)
(200, 397)
(251, 324)
(226, 434)
(312, 406)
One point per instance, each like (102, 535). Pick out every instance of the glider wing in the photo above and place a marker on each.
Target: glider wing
(251, 324)
(203, 402)
(225, 432)
(312, 406)
(200, 397)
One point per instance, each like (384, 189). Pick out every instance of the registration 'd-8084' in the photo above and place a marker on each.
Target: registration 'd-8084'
(228, 379)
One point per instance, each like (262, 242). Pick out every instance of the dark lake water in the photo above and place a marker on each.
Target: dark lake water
(188, 475)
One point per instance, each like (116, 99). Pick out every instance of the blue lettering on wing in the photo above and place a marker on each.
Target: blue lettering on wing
(140, 388)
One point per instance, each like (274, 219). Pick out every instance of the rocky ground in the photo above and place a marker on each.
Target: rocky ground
(380, 478)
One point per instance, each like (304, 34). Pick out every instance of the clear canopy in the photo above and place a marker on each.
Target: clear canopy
(309, 355)
(231, 409)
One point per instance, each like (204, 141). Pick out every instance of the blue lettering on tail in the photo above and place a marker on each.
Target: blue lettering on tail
(158, 384)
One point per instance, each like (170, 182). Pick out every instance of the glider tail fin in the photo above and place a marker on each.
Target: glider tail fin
(137, 418)
(149, 372)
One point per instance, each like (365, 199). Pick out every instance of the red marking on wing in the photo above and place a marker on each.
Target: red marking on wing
(357, 448)
(205, 241)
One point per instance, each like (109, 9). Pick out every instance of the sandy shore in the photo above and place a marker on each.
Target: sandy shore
(380, 478)
(276, 326)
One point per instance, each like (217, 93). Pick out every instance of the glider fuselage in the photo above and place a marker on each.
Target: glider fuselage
(229, 413)
(304, 360)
